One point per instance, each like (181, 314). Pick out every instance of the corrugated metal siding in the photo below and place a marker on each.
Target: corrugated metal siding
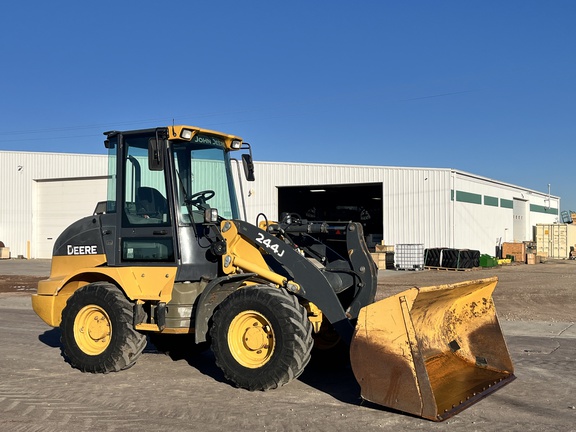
(482, 225)
(18, 174)
(415, 201)
(416, 206)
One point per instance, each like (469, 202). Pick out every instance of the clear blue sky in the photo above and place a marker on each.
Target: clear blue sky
(482, 86)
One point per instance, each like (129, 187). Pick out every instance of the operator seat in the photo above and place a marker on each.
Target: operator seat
(150, 202)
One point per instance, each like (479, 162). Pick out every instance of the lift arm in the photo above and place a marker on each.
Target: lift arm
(251, 249)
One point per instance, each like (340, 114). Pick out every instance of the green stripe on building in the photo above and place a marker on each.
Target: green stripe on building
(490, 201)
(541, 209)
(468, 197)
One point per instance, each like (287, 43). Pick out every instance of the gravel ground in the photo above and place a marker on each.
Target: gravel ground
(40, 392)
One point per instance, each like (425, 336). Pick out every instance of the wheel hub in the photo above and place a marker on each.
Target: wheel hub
(255, 338)
(92, 330)
(251, 339)
(99, 328)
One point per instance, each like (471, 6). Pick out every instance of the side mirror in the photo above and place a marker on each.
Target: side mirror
(155, 158)
(248, 165)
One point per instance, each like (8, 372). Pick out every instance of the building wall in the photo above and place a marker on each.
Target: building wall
(19, 174)
(484, 214)
(435, 207)
(416, 206)
(415, 200)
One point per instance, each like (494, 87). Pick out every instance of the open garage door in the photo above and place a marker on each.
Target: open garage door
(59, 202)
(339, 203)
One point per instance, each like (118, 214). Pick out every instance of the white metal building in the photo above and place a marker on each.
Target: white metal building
(434, 207)
(44, 192)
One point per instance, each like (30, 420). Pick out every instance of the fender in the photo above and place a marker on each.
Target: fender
(214, 293)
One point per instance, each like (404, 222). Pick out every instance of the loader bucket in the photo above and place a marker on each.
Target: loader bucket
(431, 351)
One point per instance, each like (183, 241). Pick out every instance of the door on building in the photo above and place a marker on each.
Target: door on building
(58, 203)
(337, 203)
(520, 215)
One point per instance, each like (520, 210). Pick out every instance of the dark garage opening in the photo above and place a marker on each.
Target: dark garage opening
(337, 203)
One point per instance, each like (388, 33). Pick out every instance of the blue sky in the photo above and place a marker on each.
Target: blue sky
(481, 86)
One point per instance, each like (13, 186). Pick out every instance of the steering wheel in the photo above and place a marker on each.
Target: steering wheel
(199, 198)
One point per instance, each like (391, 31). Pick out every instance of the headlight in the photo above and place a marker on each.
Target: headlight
(186, 134)
(236, 144)
(211, 215)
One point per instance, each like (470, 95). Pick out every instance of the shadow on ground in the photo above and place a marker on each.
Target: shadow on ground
(51, 338)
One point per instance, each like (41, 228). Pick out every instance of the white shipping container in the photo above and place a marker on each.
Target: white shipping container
(555, 240)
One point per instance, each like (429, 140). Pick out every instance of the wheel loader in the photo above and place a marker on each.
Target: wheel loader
(168, 256)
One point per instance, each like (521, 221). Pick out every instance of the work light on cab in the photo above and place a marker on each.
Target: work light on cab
(186, 134)
(211, 215)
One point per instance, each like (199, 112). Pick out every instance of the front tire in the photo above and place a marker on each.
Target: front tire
(97, 329)
(261, 337)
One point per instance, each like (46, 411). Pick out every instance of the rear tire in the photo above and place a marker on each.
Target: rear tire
(97, 329)
(261, 337)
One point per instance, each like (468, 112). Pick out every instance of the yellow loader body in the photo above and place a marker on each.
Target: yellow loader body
(157, 257)
(431, 351)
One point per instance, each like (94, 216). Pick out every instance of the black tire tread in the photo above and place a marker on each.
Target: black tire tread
(127, 344)
(298, 344)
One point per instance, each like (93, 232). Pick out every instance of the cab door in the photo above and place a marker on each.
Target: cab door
(147, 235)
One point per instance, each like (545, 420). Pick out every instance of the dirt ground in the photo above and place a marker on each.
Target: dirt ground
(13, 283)
(540, 292)
(523, 293)
(39, 391)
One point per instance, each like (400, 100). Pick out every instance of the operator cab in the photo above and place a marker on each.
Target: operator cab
(161, 183)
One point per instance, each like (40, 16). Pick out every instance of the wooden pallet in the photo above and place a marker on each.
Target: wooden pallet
(409, 269)
(451, 268)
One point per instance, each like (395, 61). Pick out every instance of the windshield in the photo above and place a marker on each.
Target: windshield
(203, 179)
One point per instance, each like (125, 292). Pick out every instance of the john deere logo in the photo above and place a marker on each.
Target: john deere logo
(82, 250)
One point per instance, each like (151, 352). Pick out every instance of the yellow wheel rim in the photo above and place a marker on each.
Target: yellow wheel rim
(92, 330)
(251, 339)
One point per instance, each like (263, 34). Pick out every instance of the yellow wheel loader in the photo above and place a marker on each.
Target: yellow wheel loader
(168, 256)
